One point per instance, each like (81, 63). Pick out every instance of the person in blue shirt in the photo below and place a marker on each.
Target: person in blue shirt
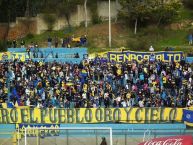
(190, 39)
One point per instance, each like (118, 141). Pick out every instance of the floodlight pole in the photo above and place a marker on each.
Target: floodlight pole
(18, 136)
(86, 21)
(111, 136)
(110, 23)
(25, 136)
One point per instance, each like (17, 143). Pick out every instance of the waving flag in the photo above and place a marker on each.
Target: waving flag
(187, 116)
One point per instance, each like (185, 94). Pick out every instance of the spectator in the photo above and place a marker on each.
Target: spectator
(151, 49)
(62, 42)
(49, 42)
(9, 43)
(83, 40)
(22, 44)
(14, 43)
(36, 50)
(104, 142)
(28, 50)
(32, 50)
(190, 39)
(56, 41)
(97, 83)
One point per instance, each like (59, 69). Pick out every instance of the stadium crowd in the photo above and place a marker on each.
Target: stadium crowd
(96, 83)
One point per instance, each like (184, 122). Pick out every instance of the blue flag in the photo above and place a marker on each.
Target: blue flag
(188, 116)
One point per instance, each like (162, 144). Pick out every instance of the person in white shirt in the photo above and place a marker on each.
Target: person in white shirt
(39, 105)
(151, 49)
(28, 102)
(189, 103)
(84, 95)
(27, 91)
(141, 103)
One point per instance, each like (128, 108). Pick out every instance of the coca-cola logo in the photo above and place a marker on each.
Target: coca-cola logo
(165, 142)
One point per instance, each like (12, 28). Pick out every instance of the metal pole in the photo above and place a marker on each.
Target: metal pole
(25, 136)
(86, 21)
(67, 136)
(8, 83)
(96, 137)
(125, 137)
(110, 23)
(111, 137)
(38, 137)
(18, 137)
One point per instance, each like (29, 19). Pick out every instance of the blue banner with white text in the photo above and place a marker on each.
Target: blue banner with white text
(127, 56)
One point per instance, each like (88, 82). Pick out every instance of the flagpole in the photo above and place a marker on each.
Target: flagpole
(110, 23)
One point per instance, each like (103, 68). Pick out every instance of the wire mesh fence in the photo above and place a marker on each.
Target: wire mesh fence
(95, 137)
(85, 137)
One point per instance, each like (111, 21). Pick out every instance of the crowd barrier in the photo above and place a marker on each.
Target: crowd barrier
(189, 59)
(118, 126)
(74, 55)
(6, 130)
(61, 50)
(68, 55)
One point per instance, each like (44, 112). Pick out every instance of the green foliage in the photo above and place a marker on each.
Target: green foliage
(2, 46)
(66, 8)
(137, 44)
(188, 3)
(96, 19)
(94, 12)
(29, 36)
(134, 9)
(149, 11)
(7, 10)
(49, 19)
(165, 12)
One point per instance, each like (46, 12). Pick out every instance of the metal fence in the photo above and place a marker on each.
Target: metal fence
(94, 137)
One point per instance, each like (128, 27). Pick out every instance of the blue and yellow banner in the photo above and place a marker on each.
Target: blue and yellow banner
(125, 56)
(11, 56)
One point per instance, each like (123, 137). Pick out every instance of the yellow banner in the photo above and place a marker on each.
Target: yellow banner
(4, 55)
(90, 115)
(12, 56)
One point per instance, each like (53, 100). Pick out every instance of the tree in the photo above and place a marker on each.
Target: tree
(50, 20)
(66, 8)
(135, 11)
(93, 5)
(188, 3)
(146, 11)
(7, 14)
(165, 12)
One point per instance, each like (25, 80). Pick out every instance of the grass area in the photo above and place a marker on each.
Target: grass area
(173, 38)
(159, 38)
(42, 38)
(184, 14)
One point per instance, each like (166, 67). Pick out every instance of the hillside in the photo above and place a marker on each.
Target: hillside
(172, 35)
